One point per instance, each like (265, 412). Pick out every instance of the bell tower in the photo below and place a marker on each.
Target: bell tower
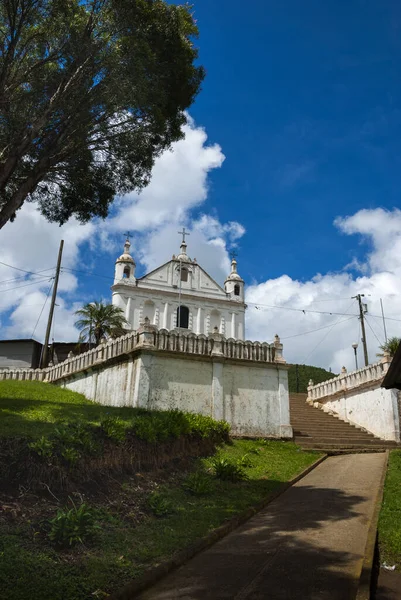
(125, 265)
(234, 284)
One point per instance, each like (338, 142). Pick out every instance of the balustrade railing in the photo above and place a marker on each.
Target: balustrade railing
(159, 340)
(348, 381)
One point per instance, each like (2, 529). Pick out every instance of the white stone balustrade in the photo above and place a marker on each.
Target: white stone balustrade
(158, 340)
(348, 381)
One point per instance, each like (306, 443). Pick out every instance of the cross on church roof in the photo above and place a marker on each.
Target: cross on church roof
(233, 254)
(183, 233)
(128, 234)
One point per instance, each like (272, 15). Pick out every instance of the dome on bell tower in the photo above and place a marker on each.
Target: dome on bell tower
(125, 265)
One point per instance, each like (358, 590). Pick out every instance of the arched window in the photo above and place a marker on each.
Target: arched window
(126, 273)
(184, 274)
(215, 320)
(149, 310)
(236, 290)
(183, 317)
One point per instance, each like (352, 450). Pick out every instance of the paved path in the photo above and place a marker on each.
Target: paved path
(308, 544)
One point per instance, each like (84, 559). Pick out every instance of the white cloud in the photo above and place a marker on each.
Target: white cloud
(331, 347)
(179, 183)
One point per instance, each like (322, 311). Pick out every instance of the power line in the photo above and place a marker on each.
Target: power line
(87, 273)
(303, 310)
(43, 307)
(319, 329)
(22, 270)
(326, 334)
(372, 330)
(23, 277)
(26, 285)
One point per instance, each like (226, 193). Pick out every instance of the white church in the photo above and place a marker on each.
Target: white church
(184, 348)
(180, 295)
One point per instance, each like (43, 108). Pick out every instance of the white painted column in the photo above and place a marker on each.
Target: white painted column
(240, 330)
(165, 316)
(199, 328)
(217, 407)
(142, 380)
(284, 401)
(128, 311)
(129, 392)
(233, 325)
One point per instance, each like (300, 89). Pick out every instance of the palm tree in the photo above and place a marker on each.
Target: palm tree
(390, 346)
(98, 320)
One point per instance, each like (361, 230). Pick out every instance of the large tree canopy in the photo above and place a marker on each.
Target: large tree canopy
(91, 91)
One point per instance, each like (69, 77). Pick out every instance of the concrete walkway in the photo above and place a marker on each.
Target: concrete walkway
(308, 544)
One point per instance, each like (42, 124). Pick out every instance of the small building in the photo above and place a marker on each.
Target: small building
(24, 353)
(27, 353)
(180, 294)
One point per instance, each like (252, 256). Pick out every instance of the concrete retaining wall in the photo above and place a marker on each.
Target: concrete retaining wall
(243, 382)
(358, 398)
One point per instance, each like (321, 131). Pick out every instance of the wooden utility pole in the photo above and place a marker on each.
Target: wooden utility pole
(45, 355)
(362, 319)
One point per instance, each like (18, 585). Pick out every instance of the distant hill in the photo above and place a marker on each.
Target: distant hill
(305, 373)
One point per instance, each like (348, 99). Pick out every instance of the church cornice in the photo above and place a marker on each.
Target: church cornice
(173, 294)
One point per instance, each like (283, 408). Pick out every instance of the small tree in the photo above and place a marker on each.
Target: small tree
(91, 91)
(390, 346)
(98, 321)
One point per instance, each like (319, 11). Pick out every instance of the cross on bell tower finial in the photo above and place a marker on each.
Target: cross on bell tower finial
(128, 234)
(183, 233)
(233, 254)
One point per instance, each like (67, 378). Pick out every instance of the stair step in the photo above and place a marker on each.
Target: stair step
(328, 432)
(341, 441)
(342, 444)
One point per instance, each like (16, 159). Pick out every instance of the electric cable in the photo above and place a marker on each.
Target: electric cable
(314, 330)
(26, 285)
(22, 270)
(373, 331)
(326, 334)
(43, 307)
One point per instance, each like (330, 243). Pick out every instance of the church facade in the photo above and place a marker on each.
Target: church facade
(180, 295)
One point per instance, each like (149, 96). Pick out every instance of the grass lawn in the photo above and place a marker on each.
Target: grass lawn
(31, 409)
(390, 515)
(131, 538)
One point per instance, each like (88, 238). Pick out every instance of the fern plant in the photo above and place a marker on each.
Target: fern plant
(114, 428)
(159, 504)
(43, 447)
(228, 471)
(73, 526)
(198, 484)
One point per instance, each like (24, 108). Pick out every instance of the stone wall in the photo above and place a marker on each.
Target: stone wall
(358, 398)
(243, 382)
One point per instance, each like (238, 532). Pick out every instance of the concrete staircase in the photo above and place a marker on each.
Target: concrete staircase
(317, 430)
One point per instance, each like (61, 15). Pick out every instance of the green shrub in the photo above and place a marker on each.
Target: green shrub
(115, 428)
(43, 447)
(171, 424)
(198, 484)
(71, 455)
(228, 471)
(207, 427)
(160, 505)
(73, 526)
(245, 461)
(77, 435)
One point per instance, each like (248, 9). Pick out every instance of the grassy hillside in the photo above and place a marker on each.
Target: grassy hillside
(305, 373)
(142, 485)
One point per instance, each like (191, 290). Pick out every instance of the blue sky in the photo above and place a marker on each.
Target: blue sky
(304, 98)
(292, 154)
